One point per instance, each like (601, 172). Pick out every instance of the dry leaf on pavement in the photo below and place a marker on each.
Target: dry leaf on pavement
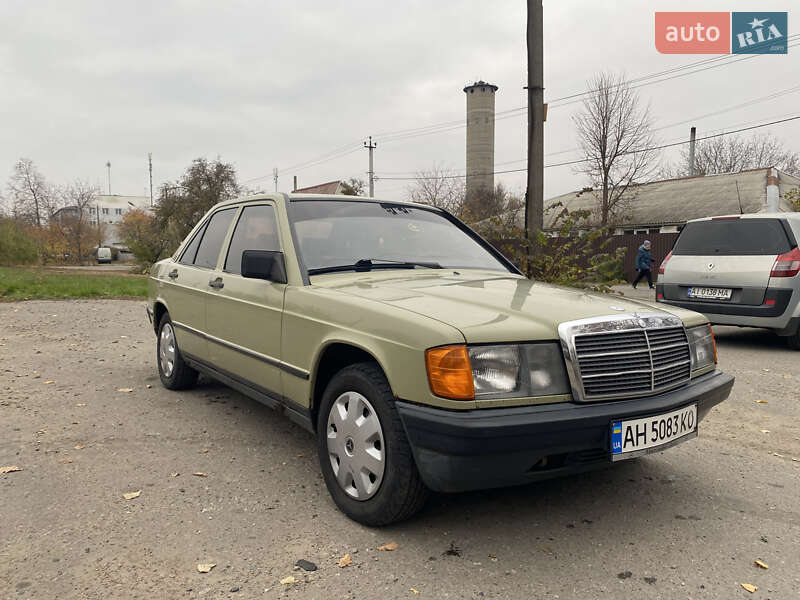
(11, 469)
(49, 381)
(765, 431)
(389, 547)
(761, 564)
(81, 404)
(415, 592)
(132, 495)
(126, 390)
(66, 461)
(205, 567)
(345, 561)
(79, 446)
(199, 474)
(288, 580)
(762, 401)
(174, 474)
(749, 587)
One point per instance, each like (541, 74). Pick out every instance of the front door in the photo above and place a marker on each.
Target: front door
(243, 318)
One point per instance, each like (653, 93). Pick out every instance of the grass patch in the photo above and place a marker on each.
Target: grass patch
(21, 283)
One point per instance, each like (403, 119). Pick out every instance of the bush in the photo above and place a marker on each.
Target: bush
(16, 246)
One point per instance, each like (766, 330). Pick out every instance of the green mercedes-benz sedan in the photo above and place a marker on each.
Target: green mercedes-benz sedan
(417, 354)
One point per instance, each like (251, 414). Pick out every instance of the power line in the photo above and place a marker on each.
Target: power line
(582, 160)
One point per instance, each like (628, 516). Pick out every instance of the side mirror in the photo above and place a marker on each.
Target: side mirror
(264, 264)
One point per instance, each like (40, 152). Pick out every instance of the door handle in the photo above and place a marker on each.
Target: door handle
(216, 283)
(173, 274)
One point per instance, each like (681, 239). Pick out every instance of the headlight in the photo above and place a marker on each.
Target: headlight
(518, 371)
(703, 346)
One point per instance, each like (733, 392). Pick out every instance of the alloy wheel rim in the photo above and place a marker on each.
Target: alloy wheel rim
(355, 445)
(166, 350)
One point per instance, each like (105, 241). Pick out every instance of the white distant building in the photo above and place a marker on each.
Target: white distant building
(109, 211)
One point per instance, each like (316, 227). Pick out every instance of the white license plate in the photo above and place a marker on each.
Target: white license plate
(709, 293)
(640, 436)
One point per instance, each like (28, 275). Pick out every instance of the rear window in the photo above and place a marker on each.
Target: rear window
(732, 237)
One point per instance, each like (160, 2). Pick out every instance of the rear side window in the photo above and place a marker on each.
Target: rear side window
(255, 230)
(731, 237)
(214, 235)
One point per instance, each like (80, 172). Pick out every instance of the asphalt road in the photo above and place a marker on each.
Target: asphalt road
(688, 523)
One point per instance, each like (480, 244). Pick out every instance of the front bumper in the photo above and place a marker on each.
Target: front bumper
(478, 449)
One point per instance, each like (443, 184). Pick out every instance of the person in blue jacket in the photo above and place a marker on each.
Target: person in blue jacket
(643, 262)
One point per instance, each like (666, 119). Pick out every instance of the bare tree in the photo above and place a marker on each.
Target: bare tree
(74, 221)
(32, 199)
(353, 187)
(616, 137)
(439, 187)
(731, 154)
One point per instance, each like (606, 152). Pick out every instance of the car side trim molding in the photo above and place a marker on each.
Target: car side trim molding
(296, 412)
(291, 369)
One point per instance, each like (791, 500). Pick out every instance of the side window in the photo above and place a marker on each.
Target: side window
(256, 230)
(214, 235)
(190, 252)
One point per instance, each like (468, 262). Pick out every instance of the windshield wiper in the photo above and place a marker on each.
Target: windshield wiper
(367, 264)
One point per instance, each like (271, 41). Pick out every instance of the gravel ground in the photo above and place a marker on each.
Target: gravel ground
(688, 523)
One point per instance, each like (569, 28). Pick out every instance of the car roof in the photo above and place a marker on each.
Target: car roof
(317, 197)
(793, 216)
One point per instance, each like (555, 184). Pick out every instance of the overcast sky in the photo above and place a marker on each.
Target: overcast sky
(275, 84)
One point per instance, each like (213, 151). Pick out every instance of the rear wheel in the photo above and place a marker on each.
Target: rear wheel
(365, 457)
(175, 374)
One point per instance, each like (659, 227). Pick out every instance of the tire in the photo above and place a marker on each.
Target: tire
(395, 494)
(793, 341)
(175, 374)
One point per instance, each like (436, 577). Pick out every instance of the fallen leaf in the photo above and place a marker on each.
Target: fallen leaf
(11, 469)
(415, 592)
(81, 404)
(174, 474)
(66, 461)
(123, 336)
(126, 390)
(345, 561)
(288, 580)
(787, 376)
(79, 446)
(132, 495)
(761, 564)
(546, 549)
(778, 455)
(76, 422)
(749, 587)
(389, 547)
(37, 376)
(49, 381)
(765, 431)
(199, 474)
(205, 567)
(762, 401)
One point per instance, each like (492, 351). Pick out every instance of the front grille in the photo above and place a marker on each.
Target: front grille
(632, 363)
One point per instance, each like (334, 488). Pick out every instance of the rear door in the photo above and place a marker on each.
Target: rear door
(727, 253)
(188, 282)
(244, 315)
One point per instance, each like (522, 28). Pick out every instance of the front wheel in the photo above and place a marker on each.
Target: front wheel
(365, 457)
(175, 374)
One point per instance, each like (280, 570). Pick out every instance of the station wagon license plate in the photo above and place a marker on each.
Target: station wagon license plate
(707, 293)
(633, 437)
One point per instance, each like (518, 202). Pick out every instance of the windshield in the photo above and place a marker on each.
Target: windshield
(732, 237)
(339, 234)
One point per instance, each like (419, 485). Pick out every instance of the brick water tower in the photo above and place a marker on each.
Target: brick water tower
(480, 136)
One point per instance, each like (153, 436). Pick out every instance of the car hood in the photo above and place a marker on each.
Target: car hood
(487, 306)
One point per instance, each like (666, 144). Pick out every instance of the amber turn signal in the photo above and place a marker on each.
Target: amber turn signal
(449, 372)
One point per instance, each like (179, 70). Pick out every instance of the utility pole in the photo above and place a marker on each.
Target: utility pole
(150, 164)
(275, 177)
(294, 189)
(534, 197)
(692, 136)
(371, 171)
(108, 164)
